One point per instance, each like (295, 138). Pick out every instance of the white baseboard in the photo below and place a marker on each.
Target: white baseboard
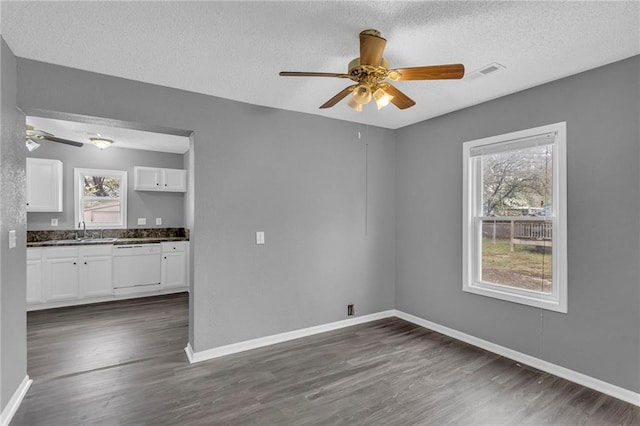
(573, 376)
(189, 351)
(279, 338)
(15, 401)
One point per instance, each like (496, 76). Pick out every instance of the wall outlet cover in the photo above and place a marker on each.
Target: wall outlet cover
(260, 237)
(158, 221)
(54, 221)
(142, 221)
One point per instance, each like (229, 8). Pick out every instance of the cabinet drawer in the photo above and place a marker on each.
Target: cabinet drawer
(34, 253)
(99, 250)
(61, 252)
(175, 246)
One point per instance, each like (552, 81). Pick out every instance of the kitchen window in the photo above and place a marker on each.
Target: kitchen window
(514, 217)
(100, 198)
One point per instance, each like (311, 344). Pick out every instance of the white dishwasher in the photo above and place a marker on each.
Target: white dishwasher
(136, 268)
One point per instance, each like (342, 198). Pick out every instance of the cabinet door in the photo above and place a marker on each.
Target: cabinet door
(146, 179)
(174, 180)
(34, 281)
(44, 185)
(95, 276)
(174, 270)
(61, 278)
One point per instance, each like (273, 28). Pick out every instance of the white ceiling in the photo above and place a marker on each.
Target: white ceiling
(122, 138)
(235, 50)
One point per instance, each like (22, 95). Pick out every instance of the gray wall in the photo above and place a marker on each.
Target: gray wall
(13, 319)
(600, 334)
(150, 205)
(299, 178)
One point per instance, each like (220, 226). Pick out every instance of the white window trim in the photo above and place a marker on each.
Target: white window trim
(556, 301)
(77, 197)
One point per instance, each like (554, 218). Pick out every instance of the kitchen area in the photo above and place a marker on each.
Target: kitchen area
(105, 221)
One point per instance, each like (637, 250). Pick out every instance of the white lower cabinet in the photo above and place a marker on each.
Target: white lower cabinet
(174, 264)
(56, 276)
(61, 279)
(77, 272)
(96, 271)
(35, 291)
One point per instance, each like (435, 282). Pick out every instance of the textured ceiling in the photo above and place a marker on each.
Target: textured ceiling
(235, 50)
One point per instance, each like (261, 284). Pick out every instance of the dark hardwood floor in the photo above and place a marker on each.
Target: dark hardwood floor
(123, 363)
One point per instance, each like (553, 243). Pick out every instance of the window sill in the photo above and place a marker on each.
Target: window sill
(523, 297)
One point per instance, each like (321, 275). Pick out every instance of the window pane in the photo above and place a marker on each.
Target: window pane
(517, 183)
(102, 186)
(517, 254)
(107, 211)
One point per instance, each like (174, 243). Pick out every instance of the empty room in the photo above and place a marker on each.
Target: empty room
(320, 212)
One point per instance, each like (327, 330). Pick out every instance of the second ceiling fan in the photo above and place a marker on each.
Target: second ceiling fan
(369, 72)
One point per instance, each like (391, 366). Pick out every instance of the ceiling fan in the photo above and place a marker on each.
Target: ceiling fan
(369, 72)
(34, 136)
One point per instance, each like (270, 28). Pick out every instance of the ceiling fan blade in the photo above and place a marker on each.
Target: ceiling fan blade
(400, 100)
(60, 140)
(337, 98)
(36, 133)
(435, 72)
(371, 48)
(312, 74)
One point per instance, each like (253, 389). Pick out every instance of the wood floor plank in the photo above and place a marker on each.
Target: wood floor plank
(123, 363)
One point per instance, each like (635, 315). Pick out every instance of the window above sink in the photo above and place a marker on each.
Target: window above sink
(100, 198)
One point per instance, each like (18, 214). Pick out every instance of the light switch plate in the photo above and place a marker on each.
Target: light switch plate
(142, 221)
(158, 221)
(54, 221)
(260, 237)
(12, 239)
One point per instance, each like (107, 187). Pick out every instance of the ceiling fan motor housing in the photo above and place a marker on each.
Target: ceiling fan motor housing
(358, 72)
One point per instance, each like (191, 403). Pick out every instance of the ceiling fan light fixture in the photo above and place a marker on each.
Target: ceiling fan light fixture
(31, 144)
(382, 98)
(362, 94)
(101, 143)
(356, 106)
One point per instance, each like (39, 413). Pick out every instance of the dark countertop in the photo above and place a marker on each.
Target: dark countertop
(104, 241)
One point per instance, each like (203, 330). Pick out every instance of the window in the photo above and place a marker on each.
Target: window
(100, 198)
(514, 217)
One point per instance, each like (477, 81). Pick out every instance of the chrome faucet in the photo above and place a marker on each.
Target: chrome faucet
(84, 228)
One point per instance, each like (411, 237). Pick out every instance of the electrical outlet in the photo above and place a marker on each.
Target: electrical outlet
(260, 237)
(54, 221)
(351, 310)
(142, 221)
(158, 221)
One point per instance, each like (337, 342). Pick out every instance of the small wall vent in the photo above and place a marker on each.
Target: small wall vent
(484, 71)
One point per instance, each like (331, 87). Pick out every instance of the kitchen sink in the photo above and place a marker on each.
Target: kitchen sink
(96, 240)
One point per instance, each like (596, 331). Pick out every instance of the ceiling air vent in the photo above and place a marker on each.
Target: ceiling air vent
(484, 71)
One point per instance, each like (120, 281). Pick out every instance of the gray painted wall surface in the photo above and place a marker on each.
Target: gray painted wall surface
(13, 318)
(600, 335)
(150, 205)
(299, 178)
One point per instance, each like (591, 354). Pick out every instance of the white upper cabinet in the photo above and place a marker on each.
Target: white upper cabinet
(157, 179)
(174, 180)
(44, 185)
(146, 179)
